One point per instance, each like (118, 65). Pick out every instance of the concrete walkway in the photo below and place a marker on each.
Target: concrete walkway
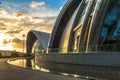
(10, 72)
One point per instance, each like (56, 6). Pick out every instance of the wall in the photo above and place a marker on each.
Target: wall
(102, 59)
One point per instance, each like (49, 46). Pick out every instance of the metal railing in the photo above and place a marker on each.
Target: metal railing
(83, 49)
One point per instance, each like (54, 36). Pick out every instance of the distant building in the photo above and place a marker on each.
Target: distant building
(7, 53)
(37, 41)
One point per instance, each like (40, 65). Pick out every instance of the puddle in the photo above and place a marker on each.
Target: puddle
(29, 63)
(26, 63)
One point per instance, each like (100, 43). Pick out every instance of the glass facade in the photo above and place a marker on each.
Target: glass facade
(82, 11)
(110, 32)
(79, 24)
(111, 26)
(93, 26)
(37, 47)
(83, 24)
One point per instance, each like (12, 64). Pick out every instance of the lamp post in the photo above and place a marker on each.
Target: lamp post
(23, 42)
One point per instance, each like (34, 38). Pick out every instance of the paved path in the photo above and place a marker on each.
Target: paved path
(10, 72)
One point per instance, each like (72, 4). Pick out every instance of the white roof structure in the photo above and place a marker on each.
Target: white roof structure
(33, 35)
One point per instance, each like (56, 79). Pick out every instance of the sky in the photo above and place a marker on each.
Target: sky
(18, 17)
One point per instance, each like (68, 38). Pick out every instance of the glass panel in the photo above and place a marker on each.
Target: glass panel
(37, 47)
(83, 23)
(111, 25)
(82, 15)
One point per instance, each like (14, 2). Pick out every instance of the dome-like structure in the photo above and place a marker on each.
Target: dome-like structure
(83, 26)
(37, 40)
(87, 25)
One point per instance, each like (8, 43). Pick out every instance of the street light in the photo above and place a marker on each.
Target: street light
(23, 42)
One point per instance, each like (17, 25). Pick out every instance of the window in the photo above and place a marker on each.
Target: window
(111, 25)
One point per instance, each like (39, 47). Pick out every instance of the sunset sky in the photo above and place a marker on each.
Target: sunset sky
(17, 17)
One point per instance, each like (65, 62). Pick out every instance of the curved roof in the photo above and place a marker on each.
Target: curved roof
(33, 35)
(61, 21)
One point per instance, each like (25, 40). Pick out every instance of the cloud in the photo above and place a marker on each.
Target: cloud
(2, 28)
(38, 17)
(13, 31)
(34, 9)
(37, 23)
(2, 24)
(1, 9)
(9, 22)
(12, 24)
(17, 44)
(43, 11)
(18, 14)
(16, 40)
(5, 41)
(4, 14)
(40, 9)
(36, 20)
(34, 4)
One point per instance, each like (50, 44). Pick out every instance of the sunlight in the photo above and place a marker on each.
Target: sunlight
(5, 42)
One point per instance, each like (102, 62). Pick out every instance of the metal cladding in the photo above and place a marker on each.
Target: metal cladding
(33, 35)
(61, 22)
(86, 23)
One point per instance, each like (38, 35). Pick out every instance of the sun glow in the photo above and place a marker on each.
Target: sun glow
(5, 42)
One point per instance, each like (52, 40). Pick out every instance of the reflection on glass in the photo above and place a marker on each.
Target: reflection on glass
(111, 26)
(37, 47)
(82, 15)
(24, 62)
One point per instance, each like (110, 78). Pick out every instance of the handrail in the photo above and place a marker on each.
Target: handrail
(81, 49)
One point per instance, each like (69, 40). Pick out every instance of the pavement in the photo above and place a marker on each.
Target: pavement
(11, 72)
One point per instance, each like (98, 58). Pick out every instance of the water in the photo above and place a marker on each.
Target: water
(29, 63)
(26, 63)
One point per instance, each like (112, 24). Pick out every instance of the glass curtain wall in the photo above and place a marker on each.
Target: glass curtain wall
(83, 25)
(77, 29)
(37, 47)
(110, 32)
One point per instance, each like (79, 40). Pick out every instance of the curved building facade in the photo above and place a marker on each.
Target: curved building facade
(37, 41)
(90, 24)
(85, 40)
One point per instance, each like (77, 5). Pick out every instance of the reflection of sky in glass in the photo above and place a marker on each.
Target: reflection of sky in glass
(117, 29)
(112, 15)
(34, 46)
(104, 32)
(82, 16)
(37, 46)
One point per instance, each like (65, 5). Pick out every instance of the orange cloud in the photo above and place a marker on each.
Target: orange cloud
(34, 4)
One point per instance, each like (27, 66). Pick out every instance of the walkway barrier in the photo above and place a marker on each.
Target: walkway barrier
(84, 49)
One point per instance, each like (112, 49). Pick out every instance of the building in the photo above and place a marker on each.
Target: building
(37, 41)
(85, 40)
(90, 24)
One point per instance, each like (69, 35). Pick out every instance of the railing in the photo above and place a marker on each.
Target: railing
(104, 48)
(83, 49)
